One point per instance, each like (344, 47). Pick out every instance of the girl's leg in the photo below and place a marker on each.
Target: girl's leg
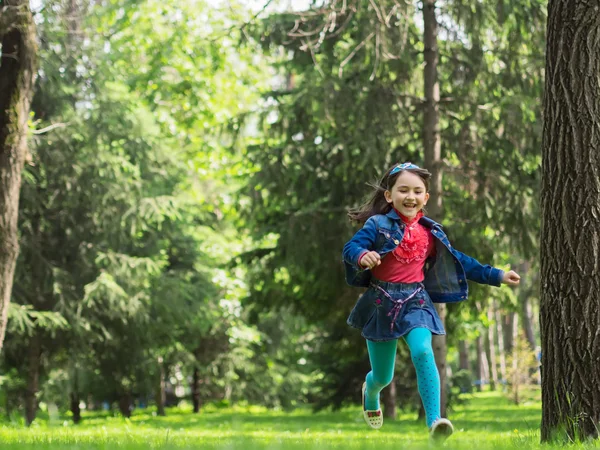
(383, 359)
(428, 378)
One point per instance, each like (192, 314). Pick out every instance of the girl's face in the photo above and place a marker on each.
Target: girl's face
(408, 195)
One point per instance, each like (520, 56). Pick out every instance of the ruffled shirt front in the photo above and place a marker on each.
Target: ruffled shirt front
(405, 264)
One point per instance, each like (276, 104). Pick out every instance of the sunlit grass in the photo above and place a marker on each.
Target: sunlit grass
(487, 421)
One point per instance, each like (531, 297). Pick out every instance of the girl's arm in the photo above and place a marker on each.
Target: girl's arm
(362, 242)
(475, 271)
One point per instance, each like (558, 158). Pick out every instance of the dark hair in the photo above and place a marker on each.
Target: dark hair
(377, 204)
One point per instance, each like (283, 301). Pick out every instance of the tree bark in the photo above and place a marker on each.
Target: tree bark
(433, 161)
(570, 233)
(17, 77)
(196, 400)
(34, 354)
(389, 400)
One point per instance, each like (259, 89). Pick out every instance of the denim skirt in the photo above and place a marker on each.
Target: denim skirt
(389, 311)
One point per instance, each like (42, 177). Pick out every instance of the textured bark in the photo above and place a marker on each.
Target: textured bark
(433, 161)
(17, 75)
(389, 400)
(570, 234)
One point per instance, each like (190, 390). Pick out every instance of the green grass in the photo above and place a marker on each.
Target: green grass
(488, 421)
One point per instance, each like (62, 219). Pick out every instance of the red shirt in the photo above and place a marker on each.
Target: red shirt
(405, 264)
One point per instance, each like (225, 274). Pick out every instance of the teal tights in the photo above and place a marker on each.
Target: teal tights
(383, 358)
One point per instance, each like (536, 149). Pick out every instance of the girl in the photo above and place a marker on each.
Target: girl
(407, 263)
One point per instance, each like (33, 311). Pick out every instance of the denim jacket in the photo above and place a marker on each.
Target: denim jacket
(446, 273)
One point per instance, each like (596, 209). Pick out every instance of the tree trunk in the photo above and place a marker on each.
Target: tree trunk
(433, 161)
(196, 400)
(34, 354)
(161, 395)
(490, 349)
(570, 233)
(18, 51)
(480, 368)
(508, 325)
(527, 319)
(125, 404)
(75, 409)
(389, 400)
(501, 349)
(74, 395)
(463, 353)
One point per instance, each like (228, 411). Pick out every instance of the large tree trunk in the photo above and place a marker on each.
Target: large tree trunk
(389, 400)
(570, 235)
(34, 354)
(433, 160)
(17, 75)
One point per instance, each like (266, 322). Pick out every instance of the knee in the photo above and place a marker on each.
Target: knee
(381, 380)
(421, 352)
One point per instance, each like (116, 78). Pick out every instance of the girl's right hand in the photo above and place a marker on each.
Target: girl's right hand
(370, 260)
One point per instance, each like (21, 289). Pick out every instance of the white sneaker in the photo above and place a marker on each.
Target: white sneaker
(441, 430)
(373, 418)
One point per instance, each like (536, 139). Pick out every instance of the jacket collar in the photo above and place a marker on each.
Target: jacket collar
(426, 221)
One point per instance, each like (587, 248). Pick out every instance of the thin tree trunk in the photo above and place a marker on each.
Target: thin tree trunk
(570, 233)
(515, 363)
(501, 349)
(125, 404)
(480, 367)
(508, 325)
(74, 396)
(433, 161)
(75, 409)
(490, 349)
(463, 353)
(18, 51)
(161, 395)
(196, 400)
(34, 354)
(389, 400)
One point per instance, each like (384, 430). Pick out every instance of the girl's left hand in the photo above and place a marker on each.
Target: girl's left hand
(511, 278)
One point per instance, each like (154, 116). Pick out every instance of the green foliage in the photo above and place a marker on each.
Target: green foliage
(488, 422)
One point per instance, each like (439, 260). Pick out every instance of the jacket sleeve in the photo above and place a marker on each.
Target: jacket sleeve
(475, 271)
(363, 241)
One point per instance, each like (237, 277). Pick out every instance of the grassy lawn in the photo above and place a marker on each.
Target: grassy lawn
(488, 421)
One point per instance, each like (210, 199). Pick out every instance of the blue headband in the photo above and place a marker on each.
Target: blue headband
(403, 166)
